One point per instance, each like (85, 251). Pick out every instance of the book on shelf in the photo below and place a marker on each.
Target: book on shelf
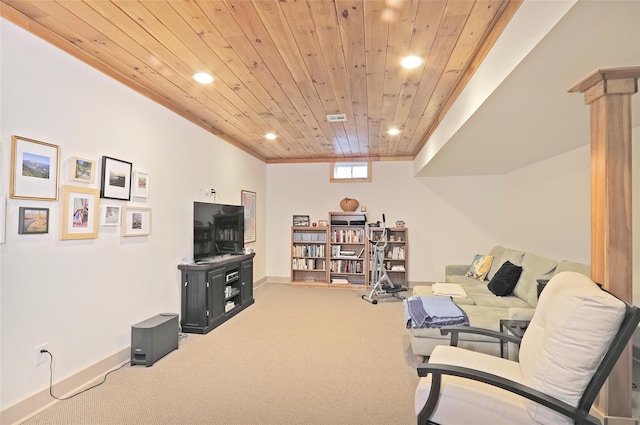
(309, 251)
(308, 264)
(309, 237)
(339, 279)
(348, 254)
(397, 253)
(347, 236)
(346, 266)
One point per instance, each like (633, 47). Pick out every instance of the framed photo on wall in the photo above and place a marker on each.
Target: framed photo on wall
(79, 213)
(136, 221)
(116, 179)
(34, 169)
(110, 215)
(32, 220)
(249, 204)
(301, 220)
(82, 170)
(140, 186)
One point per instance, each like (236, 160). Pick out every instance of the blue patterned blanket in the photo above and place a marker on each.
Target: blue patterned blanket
(433, 312)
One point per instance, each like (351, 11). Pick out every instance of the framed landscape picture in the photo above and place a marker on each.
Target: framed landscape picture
(116, 179)
(136, 221)
(140, 186)
(79, 213)
(249, 204)
(33, 220)
(82, 170)
(34, 169)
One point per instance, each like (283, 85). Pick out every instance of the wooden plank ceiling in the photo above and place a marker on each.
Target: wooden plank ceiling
(282, 66)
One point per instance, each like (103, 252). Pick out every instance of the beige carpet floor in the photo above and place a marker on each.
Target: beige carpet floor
(299, 355)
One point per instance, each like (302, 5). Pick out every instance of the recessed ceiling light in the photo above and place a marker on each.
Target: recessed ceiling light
(270, 136)
(394, 131)
(203, 77)
(411, 62)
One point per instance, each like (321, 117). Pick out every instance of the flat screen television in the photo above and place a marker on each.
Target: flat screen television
(218, 229)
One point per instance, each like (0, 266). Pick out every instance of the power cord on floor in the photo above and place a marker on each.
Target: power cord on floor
(78, 393)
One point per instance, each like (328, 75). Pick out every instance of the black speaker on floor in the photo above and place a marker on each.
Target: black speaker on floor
(153, 339)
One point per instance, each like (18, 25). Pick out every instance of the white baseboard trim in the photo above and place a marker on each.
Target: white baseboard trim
(33, 405)
(279, 279)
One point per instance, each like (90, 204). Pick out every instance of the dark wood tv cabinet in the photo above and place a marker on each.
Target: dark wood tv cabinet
(214, 292)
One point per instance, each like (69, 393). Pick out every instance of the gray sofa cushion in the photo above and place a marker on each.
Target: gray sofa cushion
(497, 252)
(502, 255)
(569, 266)
(534, 267)
(478, 294)
(489, 300)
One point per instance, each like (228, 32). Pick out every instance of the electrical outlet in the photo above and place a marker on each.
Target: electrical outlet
(41, 357)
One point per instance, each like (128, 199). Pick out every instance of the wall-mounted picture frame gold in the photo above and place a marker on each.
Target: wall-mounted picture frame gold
(34, 169)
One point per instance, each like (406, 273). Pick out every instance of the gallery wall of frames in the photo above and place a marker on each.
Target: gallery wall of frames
(99, 192)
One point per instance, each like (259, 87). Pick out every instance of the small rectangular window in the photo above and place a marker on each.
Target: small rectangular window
(350, 172)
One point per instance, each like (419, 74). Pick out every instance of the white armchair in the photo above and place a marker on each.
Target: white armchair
(574, 339)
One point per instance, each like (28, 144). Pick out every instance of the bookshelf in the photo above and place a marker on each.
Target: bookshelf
(395, 254)
(339, 255)
(348, 255)
(309, 255)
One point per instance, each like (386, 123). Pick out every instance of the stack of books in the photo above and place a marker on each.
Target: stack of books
(339, 279)
(348, 254)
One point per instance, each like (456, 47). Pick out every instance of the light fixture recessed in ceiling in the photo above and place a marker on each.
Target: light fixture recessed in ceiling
(270, 136)
(394, 131)
(411, 62)
(203, 77)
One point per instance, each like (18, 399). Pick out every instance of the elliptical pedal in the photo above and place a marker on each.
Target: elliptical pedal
(395, 289)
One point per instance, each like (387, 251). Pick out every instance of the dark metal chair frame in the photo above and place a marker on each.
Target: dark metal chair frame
(579, 414)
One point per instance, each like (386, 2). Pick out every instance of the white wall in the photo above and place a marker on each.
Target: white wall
(548, 207)
(81, 297)
(543, 208)
(450, 219)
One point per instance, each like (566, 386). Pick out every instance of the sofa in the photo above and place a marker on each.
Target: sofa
(485, 309)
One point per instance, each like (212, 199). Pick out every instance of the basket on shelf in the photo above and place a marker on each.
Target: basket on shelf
(349, 204)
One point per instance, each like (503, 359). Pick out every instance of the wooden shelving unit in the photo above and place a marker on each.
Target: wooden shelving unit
(339, 256)
(309, 250)
(349, 259)
(395, 254)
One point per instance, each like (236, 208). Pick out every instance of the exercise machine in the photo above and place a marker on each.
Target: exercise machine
(381, 284)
